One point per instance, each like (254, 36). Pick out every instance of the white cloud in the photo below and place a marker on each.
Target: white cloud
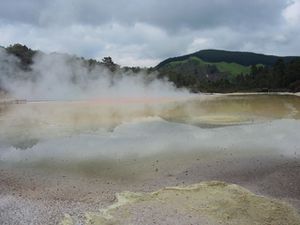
(135, 33)
(198, 43)
(292, 13)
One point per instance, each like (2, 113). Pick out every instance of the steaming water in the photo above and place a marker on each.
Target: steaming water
(46, 120)
(138, 140)
(91, 130)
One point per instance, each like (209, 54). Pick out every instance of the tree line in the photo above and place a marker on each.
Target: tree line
(283, 75)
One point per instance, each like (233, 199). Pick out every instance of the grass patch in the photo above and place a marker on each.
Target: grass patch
(233, 69)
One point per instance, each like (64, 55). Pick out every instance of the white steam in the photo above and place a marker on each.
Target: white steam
(63, 77)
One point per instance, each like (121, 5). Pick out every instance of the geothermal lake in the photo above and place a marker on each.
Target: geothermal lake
(203, 159)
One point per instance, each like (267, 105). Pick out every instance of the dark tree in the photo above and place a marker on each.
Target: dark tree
(24, 53)
(108, 62)
(279, 75)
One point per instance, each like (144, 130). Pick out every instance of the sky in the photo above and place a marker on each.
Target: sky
(144, 32)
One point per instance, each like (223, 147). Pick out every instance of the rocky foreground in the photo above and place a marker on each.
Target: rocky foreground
(213, 202)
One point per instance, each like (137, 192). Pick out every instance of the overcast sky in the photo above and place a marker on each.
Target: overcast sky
(143, 32)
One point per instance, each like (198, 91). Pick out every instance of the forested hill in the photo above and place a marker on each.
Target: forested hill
(225, 71)
(242, 58)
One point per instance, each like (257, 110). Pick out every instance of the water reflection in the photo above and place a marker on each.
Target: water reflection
(23, 125)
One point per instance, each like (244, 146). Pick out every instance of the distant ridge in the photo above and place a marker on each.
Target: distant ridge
(242, 58)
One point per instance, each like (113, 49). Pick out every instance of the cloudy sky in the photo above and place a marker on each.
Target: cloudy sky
(143, 32)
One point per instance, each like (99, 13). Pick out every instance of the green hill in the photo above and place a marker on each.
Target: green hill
(223, 67)
(225, 71)
(242, 58)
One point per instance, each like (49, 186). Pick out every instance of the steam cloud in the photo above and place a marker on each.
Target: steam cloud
(63, 77)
